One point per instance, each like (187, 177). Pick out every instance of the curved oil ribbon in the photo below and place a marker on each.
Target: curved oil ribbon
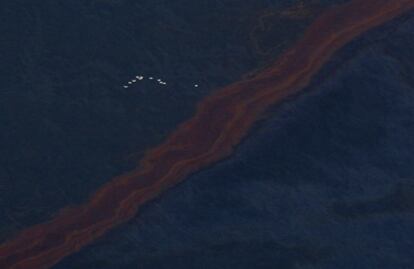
(220, 122)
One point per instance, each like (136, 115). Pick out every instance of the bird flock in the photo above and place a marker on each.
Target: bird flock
(141, 77)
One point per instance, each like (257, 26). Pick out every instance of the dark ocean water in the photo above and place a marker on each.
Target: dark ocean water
(326, 181)
(67, 125)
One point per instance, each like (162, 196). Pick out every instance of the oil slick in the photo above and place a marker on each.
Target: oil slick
(229, 113)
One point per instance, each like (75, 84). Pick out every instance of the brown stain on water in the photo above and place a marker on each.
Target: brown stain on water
(219, 124)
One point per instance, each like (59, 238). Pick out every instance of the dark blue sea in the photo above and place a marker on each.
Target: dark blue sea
(325, 180)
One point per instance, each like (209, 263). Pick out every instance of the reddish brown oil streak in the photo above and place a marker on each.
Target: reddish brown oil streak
(220, 122)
